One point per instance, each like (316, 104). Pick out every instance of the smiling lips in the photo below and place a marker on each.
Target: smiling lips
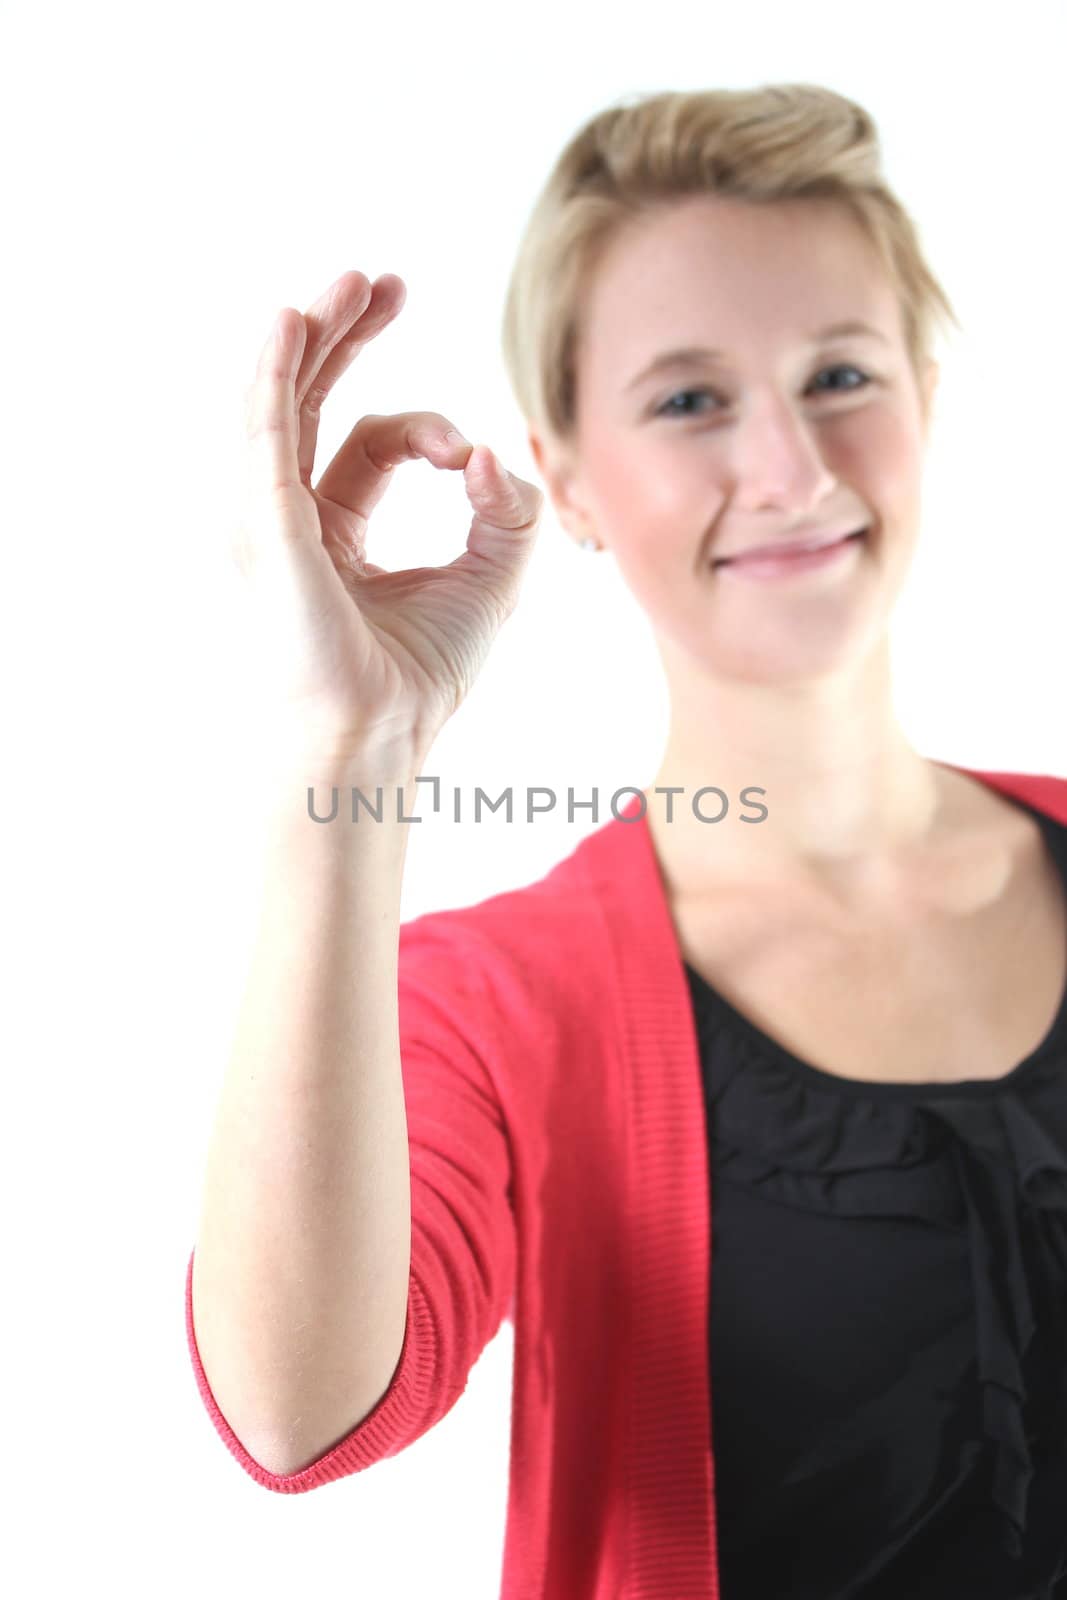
(770, 562)
(790, 548)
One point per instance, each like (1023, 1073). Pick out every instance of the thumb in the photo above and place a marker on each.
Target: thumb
(507, 511)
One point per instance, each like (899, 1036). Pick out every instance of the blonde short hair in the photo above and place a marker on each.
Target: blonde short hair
(776, 142)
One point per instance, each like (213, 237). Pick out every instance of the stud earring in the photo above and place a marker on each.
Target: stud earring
(590, 544)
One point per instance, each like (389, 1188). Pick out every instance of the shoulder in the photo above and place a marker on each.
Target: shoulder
(1046, 792)
(520, 943)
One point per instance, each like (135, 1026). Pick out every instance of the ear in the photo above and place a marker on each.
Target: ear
(931, 376)
(559, 472)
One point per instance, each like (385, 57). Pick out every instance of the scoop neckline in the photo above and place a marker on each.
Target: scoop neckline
(1055, 835)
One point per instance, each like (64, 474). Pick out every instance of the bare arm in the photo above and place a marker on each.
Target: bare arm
(300, 1273)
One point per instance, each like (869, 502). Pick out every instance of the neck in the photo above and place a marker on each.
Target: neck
(849, 800)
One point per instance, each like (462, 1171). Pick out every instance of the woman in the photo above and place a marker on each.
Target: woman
(818, 1064)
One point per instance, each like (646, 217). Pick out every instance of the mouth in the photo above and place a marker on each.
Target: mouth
(774, 563)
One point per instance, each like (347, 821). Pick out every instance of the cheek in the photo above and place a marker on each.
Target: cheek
(651, 489)
(884, 462)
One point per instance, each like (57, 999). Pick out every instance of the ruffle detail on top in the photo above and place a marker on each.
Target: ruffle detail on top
(988, 1158)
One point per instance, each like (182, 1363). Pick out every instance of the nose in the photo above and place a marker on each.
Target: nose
(777, 458)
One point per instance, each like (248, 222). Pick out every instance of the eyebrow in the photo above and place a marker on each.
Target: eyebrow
(693, 355)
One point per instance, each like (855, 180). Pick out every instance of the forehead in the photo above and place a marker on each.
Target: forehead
(733, 274)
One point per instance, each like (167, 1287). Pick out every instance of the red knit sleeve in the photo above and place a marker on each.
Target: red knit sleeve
(462, 1276)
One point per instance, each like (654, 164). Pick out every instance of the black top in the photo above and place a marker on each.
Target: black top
(888, 1336)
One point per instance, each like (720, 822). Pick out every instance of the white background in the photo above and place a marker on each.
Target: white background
(172, 177)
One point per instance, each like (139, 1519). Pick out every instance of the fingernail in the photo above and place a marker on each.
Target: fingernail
(486, 462)
(453, 434)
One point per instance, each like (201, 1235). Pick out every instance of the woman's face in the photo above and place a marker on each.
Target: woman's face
(778, 436)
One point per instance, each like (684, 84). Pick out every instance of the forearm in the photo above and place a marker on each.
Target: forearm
(300, 1274)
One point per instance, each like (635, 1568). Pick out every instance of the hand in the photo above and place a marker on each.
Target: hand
(356, 657)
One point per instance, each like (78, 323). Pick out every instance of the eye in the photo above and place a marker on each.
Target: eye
(667, 409)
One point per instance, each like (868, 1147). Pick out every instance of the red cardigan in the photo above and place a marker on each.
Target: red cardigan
(559, 1178)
